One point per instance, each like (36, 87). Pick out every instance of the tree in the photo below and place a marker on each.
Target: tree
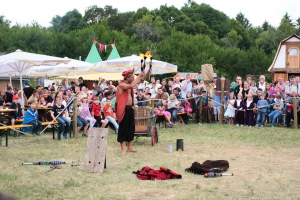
(245, 41)
(120, 21)
(93, 14)
(170, 14)
(297, 26)
(286, 16)
(149, 28)
(243, 20)
(285, 29)
(4, 21)
(214, 19)
(265, 26)
(72, 20)
(233, 39)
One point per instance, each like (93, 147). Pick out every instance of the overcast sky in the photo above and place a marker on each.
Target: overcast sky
(42, 11)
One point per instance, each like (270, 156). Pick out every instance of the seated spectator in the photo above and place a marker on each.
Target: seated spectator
(108, 95)
(34, 97)
(17, 114)
(277, 112)
(57, 114)
(162, 110)
(31, 117)
(110, 115)
(47, 97)
(290, 108)
(80, 121)
(142, 100)
(153, 91)
(253, 86)
(174, 106)
(85, 111)
(8, 96)
(96, 113)
(161, 94)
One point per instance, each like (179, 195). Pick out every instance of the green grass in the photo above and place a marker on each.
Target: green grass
(265, 163)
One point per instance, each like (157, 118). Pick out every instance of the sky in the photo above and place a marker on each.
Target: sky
(42, 11)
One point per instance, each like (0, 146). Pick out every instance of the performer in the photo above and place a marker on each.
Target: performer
(124, 108)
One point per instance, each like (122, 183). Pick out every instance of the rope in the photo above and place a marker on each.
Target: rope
(225, 106)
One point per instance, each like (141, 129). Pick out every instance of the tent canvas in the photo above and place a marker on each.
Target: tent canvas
(93, 56)
(114, 54)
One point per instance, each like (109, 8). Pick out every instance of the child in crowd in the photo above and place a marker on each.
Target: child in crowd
(173, 106)
(95, 114)
(277, 112)
(261, 105)
(239, 112)
(80, 121)
(57, 114)
(31, 117)
(15, 115)
(249, 114)
(187, 107)
(109, 114)
(230, 112)
(271, 102)
(216, 106)
(162, 110)
(192, 101)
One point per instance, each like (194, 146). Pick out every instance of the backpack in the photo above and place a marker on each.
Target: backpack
(163, 173)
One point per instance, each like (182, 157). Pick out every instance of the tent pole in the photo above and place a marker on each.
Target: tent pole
(22, 94)
(10, 81)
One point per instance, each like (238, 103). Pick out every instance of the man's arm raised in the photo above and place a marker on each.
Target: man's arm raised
(133, 84)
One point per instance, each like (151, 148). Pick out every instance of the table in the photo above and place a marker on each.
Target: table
(6, 110)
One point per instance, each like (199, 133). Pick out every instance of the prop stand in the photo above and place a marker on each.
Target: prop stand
(95, 159)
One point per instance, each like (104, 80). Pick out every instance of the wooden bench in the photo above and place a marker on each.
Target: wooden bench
(8, 128)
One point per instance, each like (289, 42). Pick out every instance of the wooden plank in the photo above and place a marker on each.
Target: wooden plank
(96, 150)
(75, 133)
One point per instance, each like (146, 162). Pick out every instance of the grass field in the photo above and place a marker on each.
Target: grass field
(265, 163)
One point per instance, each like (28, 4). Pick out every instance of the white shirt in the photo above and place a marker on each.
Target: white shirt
(188, 88)
(173, 103)
(153, 93)
(263, 86)
(142, 86)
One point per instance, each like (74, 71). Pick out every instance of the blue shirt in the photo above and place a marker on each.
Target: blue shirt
(217, 100)
(263, 103)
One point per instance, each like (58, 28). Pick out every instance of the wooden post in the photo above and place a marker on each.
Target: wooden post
(295, 112)
(75, 134)
(152, 104)
(222, 100)
(96, 150)
(200, 110)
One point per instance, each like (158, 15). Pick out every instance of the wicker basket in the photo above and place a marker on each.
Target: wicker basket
(141, 125)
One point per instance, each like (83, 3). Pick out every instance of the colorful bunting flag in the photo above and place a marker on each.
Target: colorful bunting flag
(103, 46)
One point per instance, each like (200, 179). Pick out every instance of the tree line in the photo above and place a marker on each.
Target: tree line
(191, 36)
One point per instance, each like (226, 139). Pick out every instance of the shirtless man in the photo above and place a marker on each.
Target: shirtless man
(124, 108)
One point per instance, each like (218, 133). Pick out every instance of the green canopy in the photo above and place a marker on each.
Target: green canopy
(114, 54)
(93, 56)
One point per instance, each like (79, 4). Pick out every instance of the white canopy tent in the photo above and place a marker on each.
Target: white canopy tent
(20, 62)
(121, 64)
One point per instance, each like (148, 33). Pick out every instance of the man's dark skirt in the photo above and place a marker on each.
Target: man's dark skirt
(127, 126)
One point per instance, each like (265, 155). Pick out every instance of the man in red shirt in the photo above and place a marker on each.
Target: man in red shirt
(124, 108)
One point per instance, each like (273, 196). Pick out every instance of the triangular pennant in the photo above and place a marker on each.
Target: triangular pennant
(93, 56)
(114, 54)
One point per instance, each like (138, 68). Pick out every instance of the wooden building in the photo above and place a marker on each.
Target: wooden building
(287, 58)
